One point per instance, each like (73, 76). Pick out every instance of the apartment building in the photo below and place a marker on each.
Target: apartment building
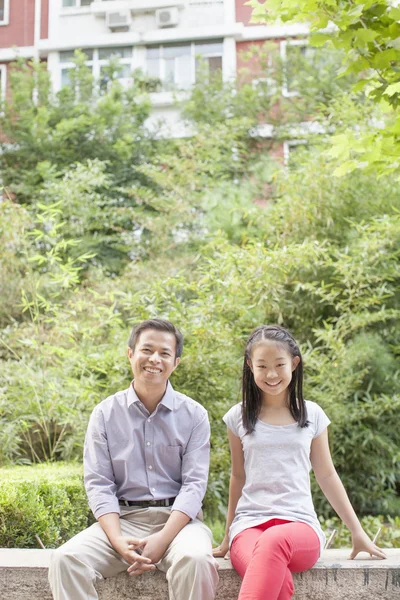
(165, 38)
(23, 25)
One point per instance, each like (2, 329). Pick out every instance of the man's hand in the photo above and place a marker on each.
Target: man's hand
(126, 547)
(154, 547)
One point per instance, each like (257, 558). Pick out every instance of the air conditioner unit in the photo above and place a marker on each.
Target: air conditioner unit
(118, 20)
(167, 17)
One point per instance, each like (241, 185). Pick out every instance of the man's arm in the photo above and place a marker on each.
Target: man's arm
(195, 465)
(98, 472)
(101, 491)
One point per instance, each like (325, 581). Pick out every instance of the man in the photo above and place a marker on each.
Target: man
(146, 459)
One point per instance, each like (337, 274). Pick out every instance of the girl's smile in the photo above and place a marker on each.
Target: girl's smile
(273, 384)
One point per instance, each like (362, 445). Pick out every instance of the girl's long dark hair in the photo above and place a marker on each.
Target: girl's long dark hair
(252, 399)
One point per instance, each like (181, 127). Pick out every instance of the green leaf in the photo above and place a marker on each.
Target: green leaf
(366, 35)
(345, 168)
(360, 85)
(392, 89)
(319, 39)
(394, 13)
(340, 147)
(382, 60)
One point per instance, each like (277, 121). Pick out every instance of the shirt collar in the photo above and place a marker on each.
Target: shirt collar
(167, 400)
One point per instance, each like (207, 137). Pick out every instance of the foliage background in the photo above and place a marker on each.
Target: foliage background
(104, 225)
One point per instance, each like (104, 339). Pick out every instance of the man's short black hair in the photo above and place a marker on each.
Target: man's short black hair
(159, 325)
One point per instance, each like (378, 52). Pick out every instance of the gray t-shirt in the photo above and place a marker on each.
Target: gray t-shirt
(277, 466)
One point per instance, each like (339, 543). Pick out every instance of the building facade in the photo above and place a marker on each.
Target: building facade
(164, 38)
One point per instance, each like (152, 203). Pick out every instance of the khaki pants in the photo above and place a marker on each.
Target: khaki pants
(188, 563)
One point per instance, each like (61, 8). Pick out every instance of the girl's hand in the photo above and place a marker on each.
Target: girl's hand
(222, 550)
(362, 543)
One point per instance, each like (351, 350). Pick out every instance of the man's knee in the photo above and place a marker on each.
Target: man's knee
(65, 560)
(59, 558)
(195, 561)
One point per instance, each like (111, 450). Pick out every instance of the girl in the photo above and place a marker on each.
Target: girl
(275, 438)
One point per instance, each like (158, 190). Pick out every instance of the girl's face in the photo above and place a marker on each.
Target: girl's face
(272, 366)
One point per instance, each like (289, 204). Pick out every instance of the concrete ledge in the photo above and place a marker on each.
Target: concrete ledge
(23, 576)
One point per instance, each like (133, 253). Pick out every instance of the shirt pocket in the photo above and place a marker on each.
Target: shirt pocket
(170, 460)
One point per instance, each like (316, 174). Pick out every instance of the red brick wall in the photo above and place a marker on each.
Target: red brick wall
(20, 31)
(243, 13)
(44, 24)
(252, 64)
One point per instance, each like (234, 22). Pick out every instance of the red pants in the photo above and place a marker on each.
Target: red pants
(267, 555)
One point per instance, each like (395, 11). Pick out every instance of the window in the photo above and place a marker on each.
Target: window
(124, 56)
(76, 3)
(210, 55)
(171, 64)
(67, 64)
(296, 54)
(293, 152)
(99, 61)
(4, 12)
(177, 66)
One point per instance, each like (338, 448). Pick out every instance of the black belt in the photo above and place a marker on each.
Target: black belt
(146, 503)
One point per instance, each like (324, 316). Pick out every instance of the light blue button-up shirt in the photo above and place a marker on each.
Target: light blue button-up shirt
(131, 454)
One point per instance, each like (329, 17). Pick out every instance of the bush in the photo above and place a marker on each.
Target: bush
(46, 500)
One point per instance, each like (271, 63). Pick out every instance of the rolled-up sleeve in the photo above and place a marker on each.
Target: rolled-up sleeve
(98, 472)
(195, 465)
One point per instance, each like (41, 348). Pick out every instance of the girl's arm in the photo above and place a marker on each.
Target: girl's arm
(333, 489)
(236, 483)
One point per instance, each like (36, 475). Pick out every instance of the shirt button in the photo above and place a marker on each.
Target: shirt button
(150, 467)
(153, 489)
(149, 419)
(148, 444)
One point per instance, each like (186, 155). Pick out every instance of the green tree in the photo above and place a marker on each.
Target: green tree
(368, 33)
(46, 136)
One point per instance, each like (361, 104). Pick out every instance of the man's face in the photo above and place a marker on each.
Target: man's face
(153, 359)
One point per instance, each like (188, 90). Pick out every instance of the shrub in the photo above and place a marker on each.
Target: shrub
(46, 500)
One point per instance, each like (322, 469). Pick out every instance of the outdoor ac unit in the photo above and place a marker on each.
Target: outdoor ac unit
(118, 20)
(167, 17)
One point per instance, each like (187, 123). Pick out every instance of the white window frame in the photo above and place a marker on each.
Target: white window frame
(6, 18)
(77, 5)
(193, 57)
(286, 93)
(291, 144)
(103, 62)
(3, 81)
(95, 62)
